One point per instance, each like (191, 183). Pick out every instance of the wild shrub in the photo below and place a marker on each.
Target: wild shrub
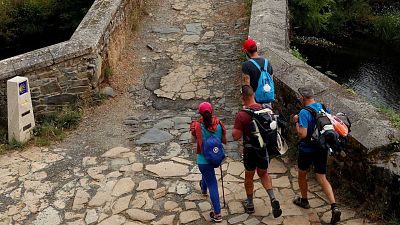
(387, 27)
(311, 15)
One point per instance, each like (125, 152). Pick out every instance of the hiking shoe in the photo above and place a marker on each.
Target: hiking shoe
(276, 208)
(297, 201)
(335, 215)
(215, 218)
(249, 208)
(201, 188)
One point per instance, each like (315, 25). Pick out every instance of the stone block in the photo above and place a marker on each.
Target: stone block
(7, 69)
(77, 90)
(76, 83)
(68, 50)
(32, 60)
(50, 88)
(61, 99)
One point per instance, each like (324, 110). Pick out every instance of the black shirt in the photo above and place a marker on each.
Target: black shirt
(250, 69)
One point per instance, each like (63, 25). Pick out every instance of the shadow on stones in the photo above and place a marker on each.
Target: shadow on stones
(178, 105)
(156, 71)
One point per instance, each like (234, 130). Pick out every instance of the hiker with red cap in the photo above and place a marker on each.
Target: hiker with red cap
(258, 73)
(209, 133)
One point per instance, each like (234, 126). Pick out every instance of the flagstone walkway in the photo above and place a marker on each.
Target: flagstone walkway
(130, 161)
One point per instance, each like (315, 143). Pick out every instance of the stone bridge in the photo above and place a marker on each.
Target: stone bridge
(130, 161)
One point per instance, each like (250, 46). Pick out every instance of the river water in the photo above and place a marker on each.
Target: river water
(372, 72)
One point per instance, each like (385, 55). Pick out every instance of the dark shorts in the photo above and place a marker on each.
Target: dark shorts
(318, 159)
(251, 161)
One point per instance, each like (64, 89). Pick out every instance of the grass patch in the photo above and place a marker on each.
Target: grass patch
(48, 129)
(387, 25)
(350, 90)
(14, 144)
(3, 139)
(5, 145)
(52, 127)
(296, 53)
(393, 220)
(394, 116)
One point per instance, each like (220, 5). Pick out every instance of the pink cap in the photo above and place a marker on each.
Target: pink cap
(205, 106)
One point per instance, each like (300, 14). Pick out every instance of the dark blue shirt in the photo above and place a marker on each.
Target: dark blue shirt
(306, 120)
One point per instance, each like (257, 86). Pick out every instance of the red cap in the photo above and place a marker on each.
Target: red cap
(249, 44)
(205, 106)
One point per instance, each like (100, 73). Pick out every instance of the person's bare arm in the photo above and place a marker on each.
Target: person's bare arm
(301, 131)
(237, 134)
(246, 79)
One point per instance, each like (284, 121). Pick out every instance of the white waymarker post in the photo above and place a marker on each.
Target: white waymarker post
(20, 113)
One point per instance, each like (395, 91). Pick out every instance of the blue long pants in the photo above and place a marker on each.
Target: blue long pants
(210, 181)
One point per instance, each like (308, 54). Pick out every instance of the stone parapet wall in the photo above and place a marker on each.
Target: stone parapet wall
(71, 71)
(370, 163)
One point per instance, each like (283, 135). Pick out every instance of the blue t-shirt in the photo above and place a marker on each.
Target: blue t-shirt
(306, 120)
(205, 134)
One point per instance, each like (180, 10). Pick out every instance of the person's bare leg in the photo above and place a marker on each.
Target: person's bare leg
(248, 182)
(326, 187)
(265, 178)
(249, 187)
(303, 183)
(266, 181)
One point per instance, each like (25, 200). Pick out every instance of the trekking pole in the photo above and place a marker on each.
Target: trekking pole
(222, 180)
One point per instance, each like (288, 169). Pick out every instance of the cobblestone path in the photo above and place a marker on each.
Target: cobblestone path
(130, 162)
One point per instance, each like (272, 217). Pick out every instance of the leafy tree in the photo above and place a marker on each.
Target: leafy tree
(30, 24)
(349, 16)
(312, 15)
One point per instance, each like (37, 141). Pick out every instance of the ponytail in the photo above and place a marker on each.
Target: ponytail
(207, 119)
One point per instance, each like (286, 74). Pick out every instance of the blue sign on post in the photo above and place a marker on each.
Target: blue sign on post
(23, 87)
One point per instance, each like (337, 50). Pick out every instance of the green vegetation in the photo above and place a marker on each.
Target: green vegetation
(296, 53)
(242, 57)
(394, 116)
(387, 27)
(393, 220)
(49, 128)
(314, 14)
(349, 89)
(108, 72)
(340, 19)
(248, 5)
(30, 24)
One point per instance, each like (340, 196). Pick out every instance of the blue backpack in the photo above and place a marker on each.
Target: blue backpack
(212, 150)
(265, 92)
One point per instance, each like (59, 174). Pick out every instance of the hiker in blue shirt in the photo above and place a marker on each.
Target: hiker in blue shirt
(201, 130)
(309, 154)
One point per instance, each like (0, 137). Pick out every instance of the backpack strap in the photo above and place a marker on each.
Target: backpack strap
(224, 139)
(323, 107)
(257, 65)
(198, 131)
(266, 65)
(313, 112)
(248, 111)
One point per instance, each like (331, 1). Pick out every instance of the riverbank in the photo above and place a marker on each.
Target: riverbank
(364, 68)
